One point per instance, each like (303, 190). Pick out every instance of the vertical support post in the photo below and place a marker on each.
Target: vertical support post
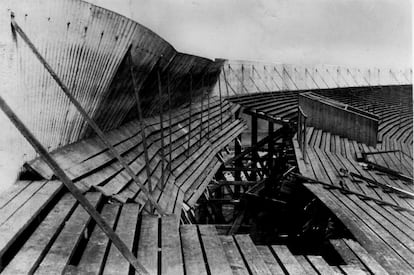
(189, 115)
(304, 139)
(161, 127)
(253, 144)
(299, 132)
(237, 164)
(225, 80)
(270, 148)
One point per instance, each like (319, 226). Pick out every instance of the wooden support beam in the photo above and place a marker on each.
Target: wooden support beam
(267, 117)
(240, 169)
(94, 126)
(270, 148)
(260, 144)
(237, 163)
(221, 201)
(236, 182)
(254, 144)
(237, 222)
(72, 188)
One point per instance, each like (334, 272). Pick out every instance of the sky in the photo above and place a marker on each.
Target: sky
(338, 32)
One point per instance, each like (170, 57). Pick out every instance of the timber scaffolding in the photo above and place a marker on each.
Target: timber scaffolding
(136, 196)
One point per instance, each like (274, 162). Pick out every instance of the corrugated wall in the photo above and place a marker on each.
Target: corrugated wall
(87, 46)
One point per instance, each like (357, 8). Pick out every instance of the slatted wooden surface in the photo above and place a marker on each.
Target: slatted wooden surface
(369, 202)
(280, 105)
(192, 150)
(64, 239)
(385, 231)
(332, 159)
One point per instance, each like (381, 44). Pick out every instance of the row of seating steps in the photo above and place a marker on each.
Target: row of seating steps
(60, 237)
(190, 151)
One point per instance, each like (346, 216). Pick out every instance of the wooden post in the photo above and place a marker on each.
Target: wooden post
(120, 245)
(225, 80)
(270, 148)
(90, 121)
(254, 143)
(238, 163)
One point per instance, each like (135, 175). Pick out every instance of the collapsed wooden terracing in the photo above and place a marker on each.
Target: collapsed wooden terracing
(165, 124)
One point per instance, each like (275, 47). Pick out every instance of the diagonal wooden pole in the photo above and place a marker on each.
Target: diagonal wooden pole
(141, 124)
(162, 127)
(94, 126)
(169, 121)
(71, 187)
(189, 114)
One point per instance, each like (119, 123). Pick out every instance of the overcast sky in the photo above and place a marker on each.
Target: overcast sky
(342, 32)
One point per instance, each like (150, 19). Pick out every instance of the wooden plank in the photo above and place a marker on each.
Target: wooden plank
(193, 254)
(171, 257)
(309, 269)
(66, 242)
(213, 248)
(32, 252)
(125, 229)
(288, 260)
(18, 201)
(376, 224)
(352, 270)
(178, 204)
(7, 195)
(360, 230)
(13, 227)
(93, 257)
(270, 260)
(321, 265)
(62, 175)
(347, 255)
(251, 255)
(233, 255)
(147, 253)
(365, 257)
(193, 199)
